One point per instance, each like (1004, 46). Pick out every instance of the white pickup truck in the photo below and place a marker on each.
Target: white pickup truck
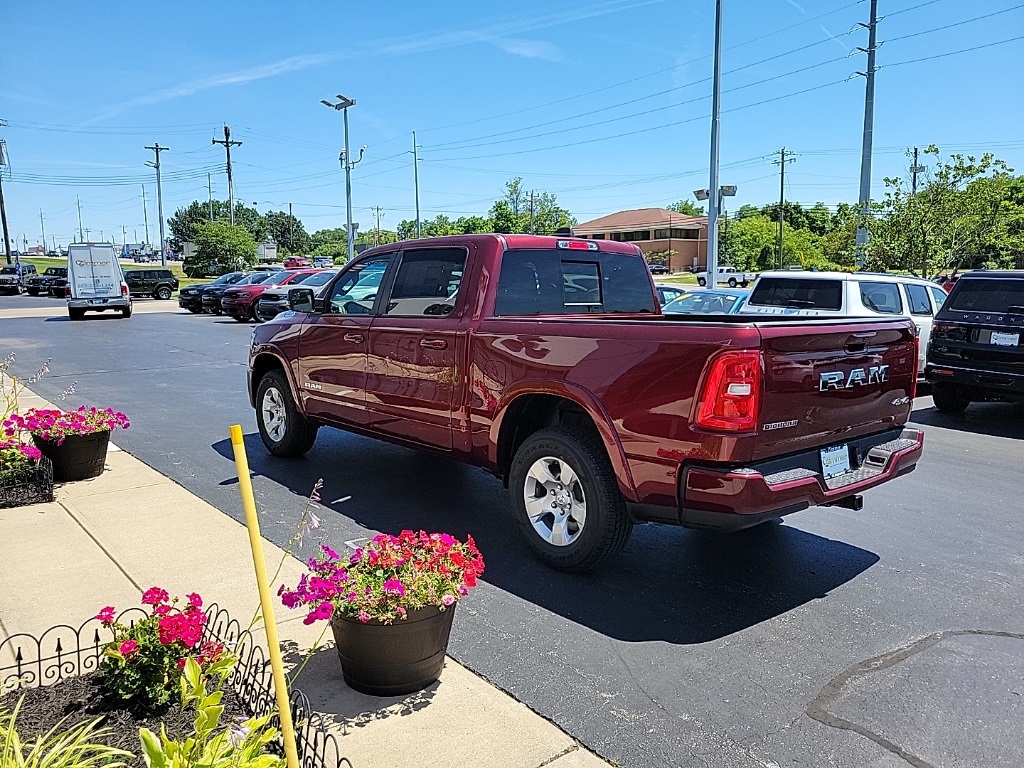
(729, 275)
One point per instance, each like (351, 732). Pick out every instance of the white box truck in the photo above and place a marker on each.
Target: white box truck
(95, 281)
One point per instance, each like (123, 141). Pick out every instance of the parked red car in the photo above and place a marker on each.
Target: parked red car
(547, 361)
(240, 301)
(295, 262)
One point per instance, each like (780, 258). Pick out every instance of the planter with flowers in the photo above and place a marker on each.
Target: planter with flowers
(75, 441)
(391, 606)
(26, 476)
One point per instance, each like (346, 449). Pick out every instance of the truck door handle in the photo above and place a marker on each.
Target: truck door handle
(434, 343)
(354, 338)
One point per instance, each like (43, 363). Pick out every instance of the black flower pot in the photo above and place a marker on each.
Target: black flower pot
(393, 659)
(35, 487)
(78, 457)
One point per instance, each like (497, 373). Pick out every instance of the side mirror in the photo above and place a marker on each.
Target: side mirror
(300, 299)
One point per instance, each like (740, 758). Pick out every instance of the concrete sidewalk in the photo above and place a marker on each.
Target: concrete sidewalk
(103, 541)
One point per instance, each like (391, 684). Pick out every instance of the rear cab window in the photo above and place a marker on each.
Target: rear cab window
(798, 293)
(559, 282)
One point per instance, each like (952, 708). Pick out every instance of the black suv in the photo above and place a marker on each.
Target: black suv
(41, 283)
(158, 283)
(191, 298)
(975, 352)
(11, 281)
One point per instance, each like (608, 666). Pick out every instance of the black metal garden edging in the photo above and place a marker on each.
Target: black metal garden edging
(78, 651)
(36, 489)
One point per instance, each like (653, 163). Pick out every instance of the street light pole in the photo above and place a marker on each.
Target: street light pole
(416, 179)
(713, 198)
(346, 160)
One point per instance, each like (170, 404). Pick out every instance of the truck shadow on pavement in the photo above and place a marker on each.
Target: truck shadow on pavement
(995, 419)
(670, 584)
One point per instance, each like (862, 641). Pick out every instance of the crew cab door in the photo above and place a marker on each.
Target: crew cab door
(333, 345)
(415, 345)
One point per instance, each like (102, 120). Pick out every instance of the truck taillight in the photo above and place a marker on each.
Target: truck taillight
(730, 392)
(124, 289)
(917, 364)
(67, 291)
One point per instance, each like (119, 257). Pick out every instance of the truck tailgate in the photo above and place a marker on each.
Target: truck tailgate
(825, 382)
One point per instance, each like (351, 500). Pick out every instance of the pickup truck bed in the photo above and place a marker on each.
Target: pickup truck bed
(547, 362)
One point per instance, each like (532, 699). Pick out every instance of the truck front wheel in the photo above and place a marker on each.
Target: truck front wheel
(566, 501)
(283, 429)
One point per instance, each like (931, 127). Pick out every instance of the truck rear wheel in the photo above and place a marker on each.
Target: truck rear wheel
(76, 314)
(701, 281)
(732, 282)
(566, 501)
(949, 398)
(283, 429)
(126, 312)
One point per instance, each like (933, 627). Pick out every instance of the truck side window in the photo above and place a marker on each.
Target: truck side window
(883, 298)
(917, 296)
(356, 291)
(427, 283)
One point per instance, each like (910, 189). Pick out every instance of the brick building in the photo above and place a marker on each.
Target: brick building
(654, 230)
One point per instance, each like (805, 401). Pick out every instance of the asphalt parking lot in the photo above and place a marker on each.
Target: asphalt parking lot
(886, 637)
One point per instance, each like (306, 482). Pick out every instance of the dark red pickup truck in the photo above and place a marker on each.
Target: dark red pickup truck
(548, 362)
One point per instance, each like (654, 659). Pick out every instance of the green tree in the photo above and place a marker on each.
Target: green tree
(288, 232)
(956, 221)
(793, 213)
(686, 207)
(520, 211)
(336, 252)
(753, 244)
(469, 225)
(185, 221)
(220, 247)
(325, 236)
(504, 218)
(819, 219)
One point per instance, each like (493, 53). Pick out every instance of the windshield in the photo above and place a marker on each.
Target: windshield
(318, 278)
(703, 302)
(986, 295)
(230, 277)
(9, 271)
(259, 277)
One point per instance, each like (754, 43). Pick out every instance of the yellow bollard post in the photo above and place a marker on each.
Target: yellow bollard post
(252, 523)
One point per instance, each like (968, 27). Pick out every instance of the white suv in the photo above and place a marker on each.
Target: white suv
(842, 294)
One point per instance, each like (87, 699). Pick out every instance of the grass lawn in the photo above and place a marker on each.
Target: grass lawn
(679, 278)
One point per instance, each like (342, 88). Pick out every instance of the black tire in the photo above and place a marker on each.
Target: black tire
(744, 284)
(163, 293)
(701, 281)
(299, 434)
(732, 282)
(33, 291)
(76, 314)
(949, 398)
(196, 311)
(126, 312)
(242, 318)
(607, 526)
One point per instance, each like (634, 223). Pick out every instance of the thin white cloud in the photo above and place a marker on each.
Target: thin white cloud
(239, 77)
(835, 39)
(531, 49)
(797, 6)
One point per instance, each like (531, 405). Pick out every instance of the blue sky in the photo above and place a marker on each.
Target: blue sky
(606, 104)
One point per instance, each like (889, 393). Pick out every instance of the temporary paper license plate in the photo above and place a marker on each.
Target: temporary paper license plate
(835, 460)
(1005, 339)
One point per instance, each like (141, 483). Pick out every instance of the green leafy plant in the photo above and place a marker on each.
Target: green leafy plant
(143, 663)
(75, 747)
(241, 745)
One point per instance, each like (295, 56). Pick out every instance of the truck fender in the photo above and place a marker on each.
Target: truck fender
(257, 371)
(589, 403)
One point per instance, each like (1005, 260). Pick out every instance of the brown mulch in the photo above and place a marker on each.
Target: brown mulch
(81, 698)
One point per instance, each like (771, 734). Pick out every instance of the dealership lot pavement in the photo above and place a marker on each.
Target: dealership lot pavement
(886, 637)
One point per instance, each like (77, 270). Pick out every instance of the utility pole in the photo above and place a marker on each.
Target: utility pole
(81, 237)
(869, 122)
(3, 208)
(228, 144)
(145, 213)
(914, 170)
(416, 178)
(209, 192)
(781, 162)
(124, 239)
(713, 193)
(42, 228)
(376, 235)
(532, 230)
(160, 198)
(291, 241)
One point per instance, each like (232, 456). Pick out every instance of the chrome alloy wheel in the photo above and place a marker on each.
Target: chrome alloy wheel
(555, 502)
(274, 415)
